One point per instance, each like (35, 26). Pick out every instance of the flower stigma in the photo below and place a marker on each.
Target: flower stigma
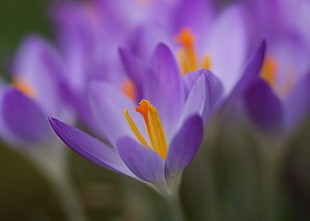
(154, 128)
(23, 87)
(187, 55)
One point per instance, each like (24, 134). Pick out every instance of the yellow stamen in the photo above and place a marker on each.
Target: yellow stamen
(153, 126)
(187, 54)
(269, 71)
(128, 88)
(24, 87)
(207, 62)
(135, 129)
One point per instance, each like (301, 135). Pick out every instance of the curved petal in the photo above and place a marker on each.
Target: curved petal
(227, 45)
(214, 85)
(250, 72)
(196, 15)
(263, 106)
(39, 65)
(132, 64)
(108, 105)
(198, 99)
(90, 148)
(23, 117)
(163, 87)
(189, 80)
(184, 145)
(135, 69)
(143, 162)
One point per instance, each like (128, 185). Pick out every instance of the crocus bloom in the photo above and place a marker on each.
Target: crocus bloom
(37, 90)
(281, 99)
(173, 111)
(198, 43)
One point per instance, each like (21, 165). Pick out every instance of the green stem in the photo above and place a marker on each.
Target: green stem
(174, 201)
(173, 197)
(68, 198)
(54, 170)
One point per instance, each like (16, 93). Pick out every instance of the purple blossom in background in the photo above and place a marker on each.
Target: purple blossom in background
(37, 90)
(200, 37)
(280, 101)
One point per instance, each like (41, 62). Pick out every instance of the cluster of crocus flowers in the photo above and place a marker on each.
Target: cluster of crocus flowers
(145, 85)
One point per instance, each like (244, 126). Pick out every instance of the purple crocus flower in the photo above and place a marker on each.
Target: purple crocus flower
(37, 90)
(173, 111)
(198, 37)
(281, 99)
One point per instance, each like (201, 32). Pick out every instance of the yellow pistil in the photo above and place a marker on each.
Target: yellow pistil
(128, 88)
(187, 55)
(24, 87)
(153, 126)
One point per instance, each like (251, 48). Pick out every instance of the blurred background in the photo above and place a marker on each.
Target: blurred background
(235, 176)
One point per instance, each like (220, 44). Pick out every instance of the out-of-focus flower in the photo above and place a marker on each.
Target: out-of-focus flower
(173, 111)
(282, 99)
(89, 34)
(37, 90)
(200, 38)
(93, 31)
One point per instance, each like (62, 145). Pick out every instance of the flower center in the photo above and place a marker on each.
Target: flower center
(269, 73)
(154, 128)
(24, 87)
(187, 55)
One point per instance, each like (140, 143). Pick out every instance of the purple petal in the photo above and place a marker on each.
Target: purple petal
(135, 69)
(189, 80)
(297, 104)
(194, 14)
(90, 148)
(143, 162)
(163, 87)
(144, 39)
(108, 105)
(227, 45)
(133, 65)
(214, 85)
(197, 101)
(251, 71)
(184, 145)
(24, 118)
(263, 106)
(39, 65)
